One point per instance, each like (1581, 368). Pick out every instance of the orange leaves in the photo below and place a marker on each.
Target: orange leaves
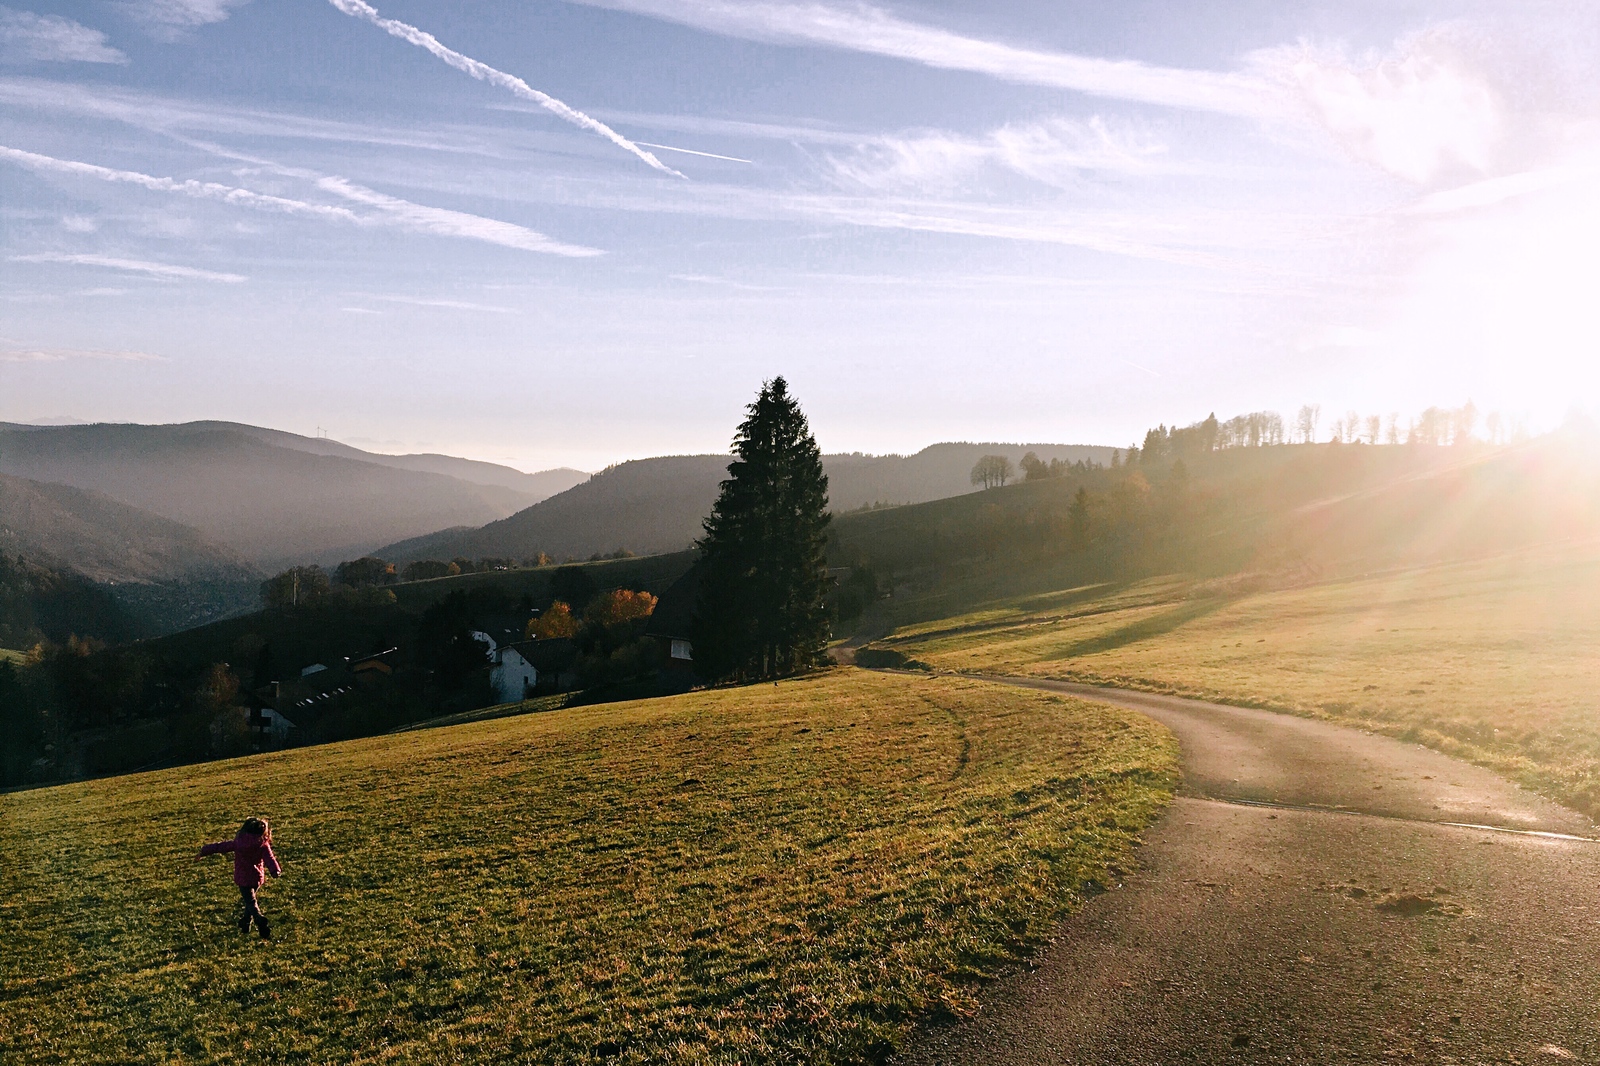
(619, 605)
(556, 622)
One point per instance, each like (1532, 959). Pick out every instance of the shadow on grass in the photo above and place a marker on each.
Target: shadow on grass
(1145, 628)
(1033, 604)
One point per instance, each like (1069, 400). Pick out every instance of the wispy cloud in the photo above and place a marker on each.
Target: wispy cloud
(443, 222)
(199, 190)
(26, 37)
(1139, 238)
(875, 31)
(137, 266)
(13, 353)
(390, 210)
(171, 19)
(449, 305)
(1495, 191)
(484, 72)
(726, 283)
(1056, 152)
(1415, 113)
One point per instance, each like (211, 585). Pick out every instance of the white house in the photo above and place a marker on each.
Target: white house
(269, 725)
(512, 677)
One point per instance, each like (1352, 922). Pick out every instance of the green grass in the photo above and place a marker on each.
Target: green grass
(13, 656)
(786, 873)
(1492, 660)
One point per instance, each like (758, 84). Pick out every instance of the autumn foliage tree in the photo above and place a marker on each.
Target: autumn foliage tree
(618, 606)
(557, 621)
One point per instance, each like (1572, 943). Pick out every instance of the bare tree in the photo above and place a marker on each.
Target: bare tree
(1306, 423)
(993, 471)
(1392, 436)
(1374, 428)
(1466, 421)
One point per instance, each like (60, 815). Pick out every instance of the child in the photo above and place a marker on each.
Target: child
(252, 860)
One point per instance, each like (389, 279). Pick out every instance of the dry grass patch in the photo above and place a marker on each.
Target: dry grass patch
(1492, 660)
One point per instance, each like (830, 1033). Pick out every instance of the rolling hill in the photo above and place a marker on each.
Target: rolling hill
(689, 880)
(106, 541)
(657, 505)
(540, 485)
(1294, 508)
(272, 497)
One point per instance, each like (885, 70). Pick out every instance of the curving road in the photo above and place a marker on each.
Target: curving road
(1315, 894)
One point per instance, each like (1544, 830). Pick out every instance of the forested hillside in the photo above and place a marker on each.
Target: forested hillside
(105, 540)
(1314, 509)
(657, 505)
(42, 603)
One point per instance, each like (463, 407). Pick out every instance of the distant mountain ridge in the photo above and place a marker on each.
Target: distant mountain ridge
(657, 505)
(270, 496)
(544, 484)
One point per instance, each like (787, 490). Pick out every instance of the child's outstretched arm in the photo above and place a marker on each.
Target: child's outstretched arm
(216, 849)
(272, 862)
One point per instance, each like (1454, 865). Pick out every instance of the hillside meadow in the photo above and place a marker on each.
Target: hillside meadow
(785, 873)
(1490, 659)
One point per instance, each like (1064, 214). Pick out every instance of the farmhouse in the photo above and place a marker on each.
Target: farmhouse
(515, 669)
(671, 624)
(513, 676)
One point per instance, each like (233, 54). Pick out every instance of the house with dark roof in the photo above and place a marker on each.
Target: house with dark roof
(518, 668)
(672, 624)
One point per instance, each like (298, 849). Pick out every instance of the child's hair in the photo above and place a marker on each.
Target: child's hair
(257, 827)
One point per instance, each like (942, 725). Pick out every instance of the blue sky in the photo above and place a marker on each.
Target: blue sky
(574, 233)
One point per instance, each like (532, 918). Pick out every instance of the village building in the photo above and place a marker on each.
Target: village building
(512, 677)
(671, 625)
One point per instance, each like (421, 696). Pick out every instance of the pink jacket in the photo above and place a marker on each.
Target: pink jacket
(252, 858)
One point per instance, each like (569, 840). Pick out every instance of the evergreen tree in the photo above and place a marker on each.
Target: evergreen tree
(1078, 517)
(763, 578)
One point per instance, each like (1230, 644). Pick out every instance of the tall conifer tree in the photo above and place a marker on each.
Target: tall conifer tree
(763, 579)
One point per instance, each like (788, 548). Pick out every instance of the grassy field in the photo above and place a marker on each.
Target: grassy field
(788, 873)
(1493, 660)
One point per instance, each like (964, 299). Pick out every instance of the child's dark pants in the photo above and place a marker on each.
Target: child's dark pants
(247, 897)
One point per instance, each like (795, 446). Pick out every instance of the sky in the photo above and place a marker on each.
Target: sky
(555, 233)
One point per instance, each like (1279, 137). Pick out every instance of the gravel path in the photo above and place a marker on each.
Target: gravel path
(1316, 894)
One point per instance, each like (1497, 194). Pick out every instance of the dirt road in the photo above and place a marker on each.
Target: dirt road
(1307, 900)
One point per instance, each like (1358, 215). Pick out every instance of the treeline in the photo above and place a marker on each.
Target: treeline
(1436, 426)
(311, 584)
(1208, 496)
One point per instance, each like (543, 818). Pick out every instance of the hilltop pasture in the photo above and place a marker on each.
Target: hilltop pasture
(1488, 659)
(784, 873)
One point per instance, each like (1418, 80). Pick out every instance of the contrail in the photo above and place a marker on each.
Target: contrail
(483, 72)
(393, 211)
(140, 266)
(691, 151)
(200, 190)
